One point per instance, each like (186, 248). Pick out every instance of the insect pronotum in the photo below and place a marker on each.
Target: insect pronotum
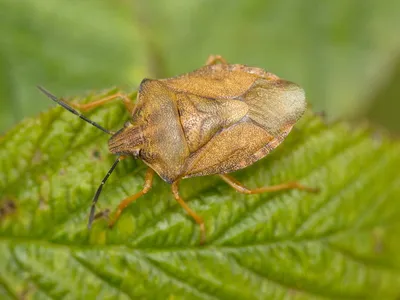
(215, 120)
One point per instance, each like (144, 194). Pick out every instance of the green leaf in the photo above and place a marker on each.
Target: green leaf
(340, 243)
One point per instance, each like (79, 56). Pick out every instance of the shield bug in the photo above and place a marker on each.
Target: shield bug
(215, 120)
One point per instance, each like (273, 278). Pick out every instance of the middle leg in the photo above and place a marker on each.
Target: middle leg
(214, 59)
(196, 217)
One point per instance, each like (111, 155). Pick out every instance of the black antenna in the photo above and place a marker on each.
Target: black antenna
(96, 196)
(69, 108)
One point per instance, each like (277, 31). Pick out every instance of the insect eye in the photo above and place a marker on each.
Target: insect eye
(127, 124)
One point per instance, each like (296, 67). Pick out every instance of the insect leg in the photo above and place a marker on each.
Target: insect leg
(88, 106)
(68, 107)
(214, 59)
(196, 217)
(148, 182)
(274, 188)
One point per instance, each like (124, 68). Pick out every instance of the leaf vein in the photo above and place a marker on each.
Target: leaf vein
(87, 267)
(259, 204)
(177, 280)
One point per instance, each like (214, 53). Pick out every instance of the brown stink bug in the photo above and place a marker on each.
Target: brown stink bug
(215, 120)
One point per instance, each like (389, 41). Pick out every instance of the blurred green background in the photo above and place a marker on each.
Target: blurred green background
(346, 54)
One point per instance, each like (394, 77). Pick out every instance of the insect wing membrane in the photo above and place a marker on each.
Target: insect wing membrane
(274, 106)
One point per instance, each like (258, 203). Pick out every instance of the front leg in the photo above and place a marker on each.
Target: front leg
(91, 105)
(148, 182)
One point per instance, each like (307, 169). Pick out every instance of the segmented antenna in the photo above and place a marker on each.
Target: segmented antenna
(96, 196)
(69, 108)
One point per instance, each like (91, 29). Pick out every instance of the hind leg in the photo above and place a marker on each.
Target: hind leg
(274, 188)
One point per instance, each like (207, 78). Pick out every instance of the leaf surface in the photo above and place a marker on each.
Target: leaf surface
(340, 243)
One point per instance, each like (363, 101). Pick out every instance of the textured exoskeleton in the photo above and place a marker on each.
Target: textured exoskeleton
(215, 120)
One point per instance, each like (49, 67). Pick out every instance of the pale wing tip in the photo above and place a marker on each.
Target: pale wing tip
(295, 99)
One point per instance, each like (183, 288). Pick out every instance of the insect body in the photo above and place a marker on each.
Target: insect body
(215, 120)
